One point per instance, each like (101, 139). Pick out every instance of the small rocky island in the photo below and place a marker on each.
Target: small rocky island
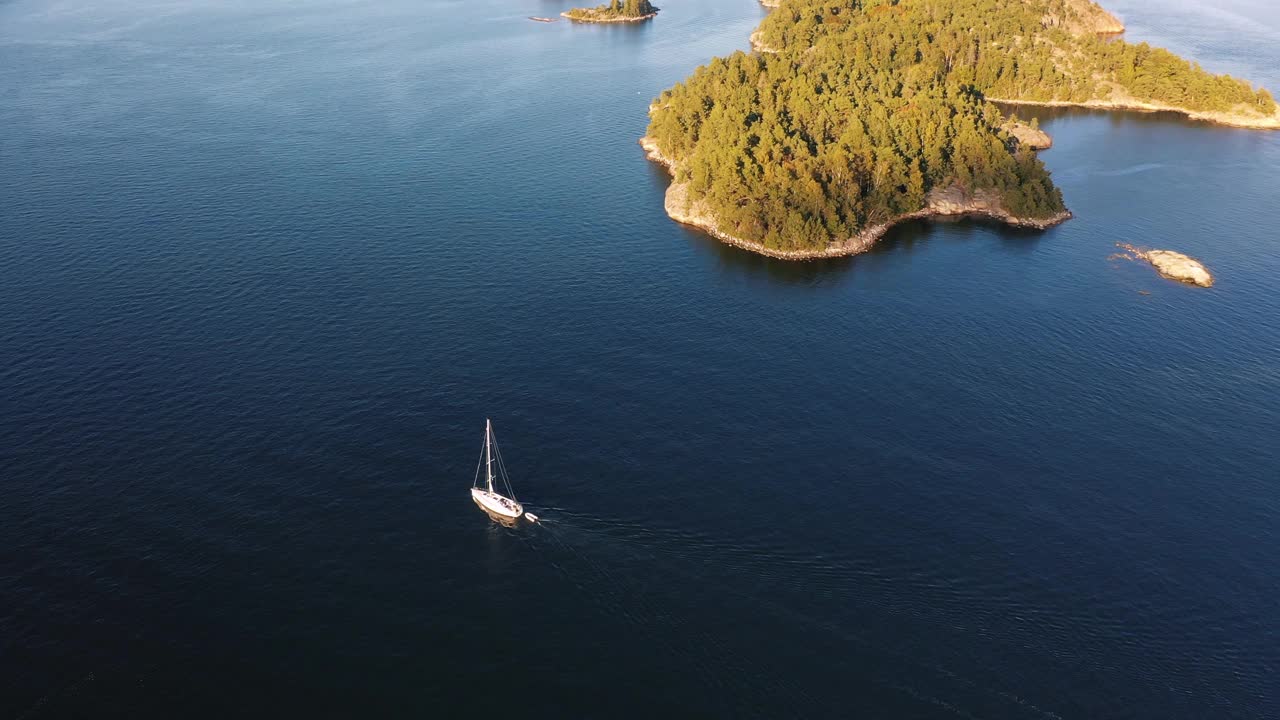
(615, 11)
(1170, 264)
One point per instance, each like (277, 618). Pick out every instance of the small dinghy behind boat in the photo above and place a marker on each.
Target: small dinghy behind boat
(487, 494)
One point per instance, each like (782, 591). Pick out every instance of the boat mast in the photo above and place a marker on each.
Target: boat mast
(488, 457)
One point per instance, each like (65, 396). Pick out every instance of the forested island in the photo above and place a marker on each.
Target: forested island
(858, 114)
(615, 11)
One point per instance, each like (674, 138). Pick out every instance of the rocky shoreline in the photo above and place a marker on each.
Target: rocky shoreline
(758, 45)
(950, 203)
(1090, 18)
(1252, 122)
(1032, 137)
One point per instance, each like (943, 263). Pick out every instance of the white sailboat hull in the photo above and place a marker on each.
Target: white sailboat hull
(497, 504)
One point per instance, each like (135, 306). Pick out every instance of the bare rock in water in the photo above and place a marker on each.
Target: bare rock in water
(1173, 265)
(1032, 137)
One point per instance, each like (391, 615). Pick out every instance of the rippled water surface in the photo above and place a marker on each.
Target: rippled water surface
(265, 267)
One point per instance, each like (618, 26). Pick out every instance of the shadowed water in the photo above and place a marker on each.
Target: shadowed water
(265, 268)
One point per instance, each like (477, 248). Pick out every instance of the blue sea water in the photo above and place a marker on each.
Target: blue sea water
(266, 267)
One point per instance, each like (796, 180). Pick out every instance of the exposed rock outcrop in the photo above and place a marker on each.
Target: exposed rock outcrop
(1170, 264)
(1032, 137)
(1085, 16)
(1243, 117)
(758, 45)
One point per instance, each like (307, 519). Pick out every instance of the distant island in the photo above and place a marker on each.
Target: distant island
(855, 115)
(615, 11)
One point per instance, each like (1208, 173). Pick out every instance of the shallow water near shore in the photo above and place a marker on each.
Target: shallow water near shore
(266, 267)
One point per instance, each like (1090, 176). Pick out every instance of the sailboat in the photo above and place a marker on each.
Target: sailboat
(488, 495)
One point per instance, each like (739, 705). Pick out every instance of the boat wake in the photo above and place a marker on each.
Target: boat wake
(752, 575)
(619, 594)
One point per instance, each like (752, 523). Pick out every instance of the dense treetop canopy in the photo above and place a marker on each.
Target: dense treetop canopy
(864, 106)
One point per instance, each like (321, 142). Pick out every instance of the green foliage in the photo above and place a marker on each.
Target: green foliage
(616, 9)
(870, 104)
(1013, 49)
